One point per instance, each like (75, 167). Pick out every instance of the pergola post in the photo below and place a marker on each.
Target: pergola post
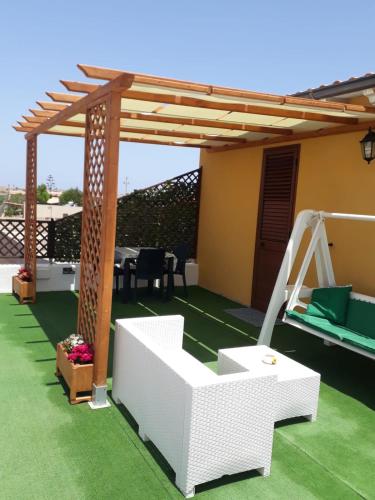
(98, 234)
(30, 211)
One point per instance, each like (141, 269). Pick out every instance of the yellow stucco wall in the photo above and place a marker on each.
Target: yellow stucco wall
(332, 176)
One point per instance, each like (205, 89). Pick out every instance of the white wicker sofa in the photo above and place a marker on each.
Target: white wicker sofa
(205, 425)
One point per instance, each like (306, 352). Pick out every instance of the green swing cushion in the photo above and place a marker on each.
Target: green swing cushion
(361, 317)
(330, 303)
(317, 323)
(333, 330)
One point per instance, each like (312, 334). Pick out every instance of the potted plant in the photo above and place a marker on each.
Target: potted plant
(74, 362)
(22, 285)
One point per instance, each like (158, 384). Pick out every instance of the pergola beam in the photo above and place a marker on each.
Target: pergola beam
(195, 122)
(200, 122)
(100, 73)
(49, 132)
(230, 107)
(186, 135)
(162, 143)
(118, 84)
(252, 109)
(31, 128)
(136, 130)
(298, 136)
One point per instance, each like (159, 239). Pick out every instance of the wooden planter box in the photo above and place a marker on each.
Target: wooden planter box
(79, 378)
(24, 290)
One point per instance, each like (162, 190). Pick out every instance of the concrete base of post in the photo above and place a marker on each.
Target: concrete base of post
(99, 397)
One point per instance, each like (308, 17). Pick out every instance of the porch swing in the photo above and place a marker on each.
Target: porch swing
(353, 327)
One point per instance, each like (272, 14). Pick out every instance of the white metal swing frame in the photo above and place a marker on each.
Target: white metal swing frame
(318, 248)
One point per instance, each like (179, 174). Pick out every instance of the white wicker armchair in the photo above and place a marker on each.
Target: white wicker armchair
(205, 425)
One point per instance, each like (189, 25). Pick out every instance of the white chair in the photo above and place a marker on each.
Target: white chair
(205, 425)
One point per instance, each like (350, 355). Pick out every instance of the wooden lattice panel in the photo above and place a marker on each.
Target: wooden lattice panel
(92, 219)
(30, 209)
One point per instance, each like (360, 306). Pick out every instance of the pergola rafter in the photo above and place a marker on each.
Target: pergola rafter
(42, 112)
(63, 97)
(146, 109)
(53, 106)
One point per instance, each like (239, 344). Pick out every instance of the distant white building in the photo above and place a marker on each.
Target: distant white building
(49, 211)
(54, 200)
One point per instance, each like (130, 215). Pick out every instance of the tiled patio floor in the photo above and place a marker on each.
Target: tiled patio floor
(51, 450)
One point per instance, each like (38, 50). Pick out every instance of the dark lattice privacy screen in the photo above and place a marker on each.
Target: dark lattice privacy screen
(162, 215)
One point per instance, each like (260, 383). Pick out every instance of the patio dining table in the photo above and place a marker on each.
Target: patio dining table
(125, 256)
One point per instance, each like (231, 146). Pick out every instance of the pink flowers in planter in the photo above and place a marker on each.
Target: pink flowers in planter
(24, 275)
(78, 351)
(82, 354)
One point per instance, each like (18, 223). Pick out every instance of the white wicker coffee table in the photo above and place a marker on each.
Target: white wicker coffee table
(298, 386)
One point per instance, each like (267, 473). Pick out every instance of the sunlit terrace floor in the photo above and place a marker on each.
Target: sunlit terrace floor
(50, 449)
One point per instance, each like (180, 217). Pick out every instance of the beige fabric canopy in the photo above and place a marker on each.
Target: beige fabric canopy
(172, 112)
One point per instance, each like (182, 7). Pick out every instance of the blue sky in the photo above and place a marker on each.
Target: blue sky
(272, 46)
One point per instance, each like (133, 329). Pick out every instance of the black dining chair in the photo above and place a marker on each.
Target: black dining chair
(181, 252)
(117, 271)
(150, 267)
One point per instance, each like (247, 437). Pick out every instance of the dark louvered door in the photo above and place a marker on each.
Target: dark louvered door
(275, 219)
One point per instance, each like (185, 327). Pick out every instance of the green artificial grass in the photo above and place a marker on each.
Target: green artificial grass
(50, 449)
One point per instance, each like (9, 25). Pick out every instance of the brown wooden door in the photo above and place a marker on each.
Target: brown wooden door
(275, 219)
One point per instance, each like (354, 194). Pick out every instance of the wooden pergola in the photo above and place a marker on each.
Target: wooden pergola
(148, 109)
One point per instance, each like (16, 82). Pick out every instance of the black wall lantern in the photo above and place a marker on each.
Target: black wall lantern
(368, 146)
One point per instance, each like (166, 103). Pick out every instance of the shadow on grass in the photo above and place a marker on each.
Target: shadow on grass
(36, 341)
(154, 452)
(341, 369)
(208, 328)
(290, 421)
(167, 469)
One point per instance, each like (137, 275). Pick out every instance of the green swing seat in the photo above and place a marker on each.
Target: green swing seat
(345, 316)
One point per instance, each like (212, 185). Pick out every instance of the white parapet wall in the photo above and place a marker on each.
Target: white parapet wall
(60, 276)
(50, 277)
